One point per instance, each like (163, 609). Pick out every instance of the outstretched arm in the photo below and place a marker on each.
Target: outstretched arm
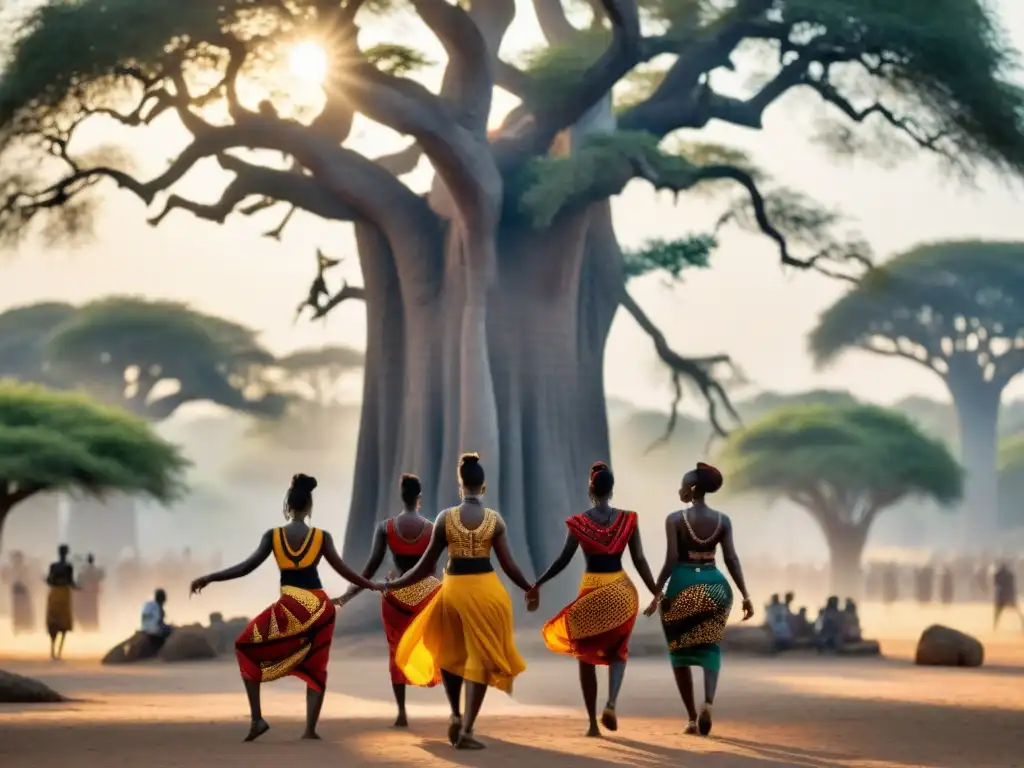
(563, 559)
(244, 568)
(428, 563)
(636, 552)
(378, 550)
(334, 560)
(732, 560)
(505, 559)
(671, 553)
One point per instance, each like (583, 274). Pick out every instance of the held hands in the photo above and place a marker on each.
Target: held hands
(533, 598)
(198, 586)
(748, 609)
(651, 609)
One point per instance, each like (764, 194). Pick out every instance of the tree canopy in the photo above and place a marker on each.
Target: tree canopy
(844, 463)
(954, 307)
(64, 441)
(23, 335)
(154, 356)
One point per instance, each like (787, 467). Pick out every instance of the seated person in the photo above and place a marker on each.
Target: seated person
(777, 621)
(154, 619)
(829, 626)
(801, 625)
(850, 623)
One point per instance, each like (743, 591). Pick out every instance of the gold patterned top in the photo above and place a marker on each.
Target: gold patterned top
(465, 543)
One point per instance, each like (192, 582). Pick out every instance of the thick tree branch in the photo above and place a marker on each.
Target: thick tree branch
(554, 23)
(699, 370)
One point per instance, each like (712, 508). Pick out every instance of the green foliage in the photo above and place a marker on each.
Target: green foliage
(945, 291)
(856, 451)
(52, 440)
(314, 375)
(397, 59)
(23, 335)
(122, 348)
(556, 69)
(638, 86)
(671, 256)
(1011, 480)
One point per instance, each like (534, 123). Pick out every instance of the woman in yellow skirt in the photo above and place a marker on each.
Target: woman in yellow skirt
(60, 580)
(595, 627)
(465, 631)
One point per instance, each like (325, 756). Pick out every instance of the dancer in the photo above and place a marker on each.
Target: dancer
(465, 631)
(595, 627)
(696, 605)
(293, 636)
(60, 580)
(406, 536)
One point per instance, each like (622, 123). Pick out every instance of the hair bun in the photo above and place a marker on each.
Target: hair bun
(469, 458)
(598, 466)
(301, 482)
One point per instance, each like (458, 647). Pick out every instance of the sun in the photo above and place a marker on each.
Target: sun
(308, 62)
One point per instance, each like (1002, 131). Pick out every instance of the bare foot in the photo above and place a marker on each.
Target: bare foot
(704, 721)
(311, 735)
(402, 721)
(257, 729)
(594, 732)
(609, 719)
(454, 729)
(691, 728)
(466, 741)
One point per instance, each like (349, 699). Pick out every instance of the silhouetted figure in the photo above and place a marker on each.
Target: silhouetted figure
(154, 620)
(777, 618)
(830, 626)
(59, 617)
(925, 584)
(850, 623)
(87, 601)
(890, 584)
(1004, 584)
(946, 586)
(803, 630)
(15, 574)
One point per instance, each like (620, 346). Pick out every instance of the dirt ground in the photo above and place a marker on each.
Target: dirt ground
(786, 711)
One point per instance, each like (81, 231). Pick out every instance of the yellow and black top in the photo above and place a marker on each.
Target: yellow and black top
(469, 550)
(298, 566)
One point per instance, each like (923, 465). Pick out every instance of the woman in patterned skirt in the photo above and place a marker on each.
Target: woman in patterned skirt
(406, 536)
(697, 602)
(595, 627)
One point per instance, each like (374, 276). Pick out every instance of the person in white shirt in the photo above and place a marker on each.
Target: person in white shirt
(154, 619)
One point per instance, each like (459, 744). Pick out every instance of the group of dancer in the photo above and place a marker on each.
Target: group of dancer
(458, 631)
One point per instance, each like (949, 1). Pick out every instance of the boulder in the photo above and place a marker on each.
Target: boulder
(222, 634)
(15, 689)
(138, 647)
(189, 643)
(945, 647)
(861, 648)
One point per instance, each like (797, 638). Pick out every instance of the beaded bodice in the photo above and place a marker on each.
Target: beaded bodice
(466, 543)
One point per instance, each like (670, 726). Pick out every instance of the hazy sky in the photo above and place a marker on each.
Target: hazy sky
(745, 305)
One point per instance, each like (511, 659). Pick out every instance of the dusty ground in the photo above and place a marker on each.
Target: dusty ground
(799, 711)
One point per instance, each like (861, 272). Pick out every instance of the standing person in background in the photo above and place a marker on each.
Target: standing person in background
(946, 586)
(890, 584)
(465, 632)
(697, 602)
(406, 536)
(15, 576)
(1004, 584)
(87, 602)
(595, 627)
(293, 636)
(59, 616)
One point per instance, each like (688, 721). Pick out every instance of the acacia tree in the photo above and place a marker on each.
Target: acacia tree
(844, 464)
(1011, 481)
(23, 335)
(314, 374)
(490, 299)
(55, 441)
(954, 308)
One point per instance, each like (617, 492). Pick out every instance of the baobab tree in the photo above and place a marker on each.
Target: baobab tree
(490, 298)
(954, 308)
(1011, 482)
(845, 464)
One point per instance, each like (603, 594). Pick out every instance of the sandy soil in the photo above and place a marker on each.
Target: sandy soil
(788, 711)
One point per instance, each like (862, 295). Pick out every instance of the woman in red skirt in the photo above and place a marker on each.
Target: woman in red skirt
(293, 636)
(596, 626)
(406, 536)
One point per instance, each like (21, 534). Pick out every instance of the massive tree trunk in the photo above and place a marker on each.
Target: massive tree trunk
(846, 550)
(547, 319)
(977, 410)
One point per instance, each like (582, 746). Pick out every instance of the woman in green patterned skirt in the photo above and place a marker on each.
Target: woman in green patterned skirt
(696, 604)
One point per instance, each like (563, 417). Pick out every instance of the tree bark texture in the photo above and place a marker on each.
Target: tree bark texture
(977, 410)
(846, 550)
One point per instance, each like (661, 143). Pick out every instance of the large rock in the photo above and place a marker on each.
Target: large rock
(138, 647)
(15, 689)
(945, 647)
(861, 648)
(222, 634)
(188, 644)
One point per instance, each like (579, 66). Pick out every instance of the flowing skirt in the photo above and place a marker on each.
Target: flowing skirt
(693, 614)
(595, 627)
(58, 610)
(291, 637)
(22, 615)
(465, 629)
(398, 608)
